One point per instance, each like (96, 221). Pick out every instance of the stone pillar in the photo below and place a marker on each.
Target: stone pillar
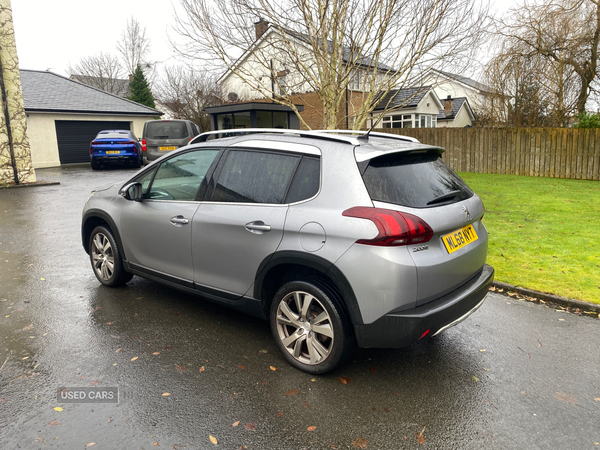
(15, 152)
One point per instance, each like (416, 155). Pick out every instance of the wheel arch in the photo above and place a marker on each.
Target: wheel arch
(91, 220)
(282, 267)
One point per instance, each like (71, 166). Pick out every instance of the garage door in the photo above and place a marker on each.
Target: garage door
(74, 137)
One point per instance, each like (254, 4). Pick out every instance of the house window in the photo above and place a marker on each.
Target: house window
(283, 87)
(409, 121)
(354, 81)
(398, 121)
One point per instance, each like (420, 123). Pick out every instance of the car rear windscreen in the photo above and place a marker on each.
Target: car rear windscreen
(114, 135)
(166, 130)
(416, 180)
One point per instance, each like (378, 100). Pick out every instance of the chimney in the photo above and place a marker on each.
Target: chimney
(448, 105)
(260, 27)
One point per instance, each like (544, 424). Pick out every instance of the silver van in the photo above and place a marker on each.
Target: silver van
(162, 136)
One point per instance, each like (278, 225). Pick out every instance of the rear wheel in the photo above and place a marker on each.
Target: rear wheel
(95, 165)
(310, 327)
(106, 259)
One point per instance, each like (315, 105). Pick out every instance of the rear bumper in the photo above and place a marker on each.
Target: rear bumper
(402, 329)
(115, 159)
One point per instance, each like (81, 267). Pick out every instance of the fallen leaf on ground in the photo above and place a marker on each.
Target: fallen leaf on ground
(134, 358)
(311, 428)
(475, 378)
(280, 413)
(91, 444)
(213, 439)
(597, 399)
(360, 443)
(94, 383)
(118, 350)
(250, 426)
(181, 368)
(307, 405)
(344, 380)
(420, 437)
(166, 394)
(272, 368)
(565, 397)
(156, 444)
(54, 423)
(291, 392)
(235, 424)
(28, 327)
(202, 369)
(242, 367)
(372, 369)
(58, 408)
(156, 353)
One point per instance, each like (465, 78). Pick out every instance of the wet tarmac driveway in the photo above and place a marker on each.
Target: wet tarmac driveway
(195, 375)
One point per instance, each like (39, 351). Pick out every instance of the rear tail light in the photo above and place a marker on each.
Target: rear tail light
(144, 148)
(395, 228)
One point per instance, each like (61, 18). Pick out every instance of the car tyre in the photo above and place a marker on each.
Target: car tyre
(137, 163)
(310, 326)
(95, 165)
(106, 258)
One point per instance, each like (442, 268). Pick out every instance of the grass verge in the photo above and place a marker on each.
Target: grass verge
(544, 232)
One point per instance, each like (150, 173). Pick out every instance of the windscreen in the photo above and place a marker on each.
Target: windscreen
(416, 180)
(113, 135)
(166, 130)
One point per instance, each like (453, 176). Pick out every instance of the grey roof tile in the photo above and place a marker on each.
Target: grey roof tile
(402, 98)
(47, 91)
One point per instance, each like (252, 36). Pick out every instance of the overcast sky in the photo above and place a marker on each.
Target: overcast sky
(51, 34)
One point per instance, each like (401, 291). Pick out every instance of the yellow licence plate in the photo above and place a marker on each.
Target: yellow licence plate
(459, 238)
(112, 152)
(167, 148)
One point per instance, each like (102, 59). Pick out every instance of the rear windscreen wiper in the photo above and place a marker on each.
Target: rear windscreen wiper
(450, 195)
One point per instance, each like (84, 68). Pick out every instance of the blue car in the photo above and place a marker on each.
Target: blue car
(115, 147)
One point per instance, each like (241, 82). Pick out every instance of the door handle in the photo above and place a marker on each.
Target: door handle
(179, 220)
(258, 227)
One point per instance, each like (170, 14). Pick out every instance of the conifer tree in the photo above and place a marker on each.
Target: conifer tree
(140, 89)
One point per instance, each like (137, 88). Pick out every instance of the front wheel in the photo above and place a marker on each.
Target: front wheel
(106, 259)
(310, 327)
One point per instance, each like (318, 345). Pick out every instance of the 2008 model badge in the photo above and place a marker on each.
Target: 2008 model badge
(421, 248)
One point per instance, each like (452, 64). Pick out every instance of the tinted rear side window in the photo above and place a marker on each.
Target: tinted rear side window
(166, 130)
(306, 181)
(414, 180)
(254, 177)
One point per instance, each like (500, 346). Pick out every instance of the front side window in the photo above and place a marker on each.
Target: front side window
(179, 178)
(254, 177)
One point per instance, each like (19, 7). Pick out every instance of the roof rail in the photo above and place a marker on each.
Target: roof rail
(317, 134)
(362, 133)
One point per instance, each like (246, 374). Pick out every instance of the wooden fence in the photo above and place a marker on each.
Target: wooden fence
(537, 152)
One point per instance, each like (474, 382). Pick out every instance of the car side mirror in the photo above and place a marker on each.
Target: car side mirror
(133, 191)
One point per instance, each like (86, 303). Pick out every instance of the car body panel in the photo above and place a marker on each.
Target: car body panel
(153, 241)
(219, 225)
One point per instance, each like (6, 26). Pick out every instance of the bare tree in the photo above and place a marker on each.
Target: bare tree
(134, 47)
(564, 35)
(103, 71)
(186, 92)
(329, 46)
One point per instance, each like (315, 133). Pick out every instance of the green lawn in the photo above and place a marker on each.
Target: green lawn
(544, 232)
